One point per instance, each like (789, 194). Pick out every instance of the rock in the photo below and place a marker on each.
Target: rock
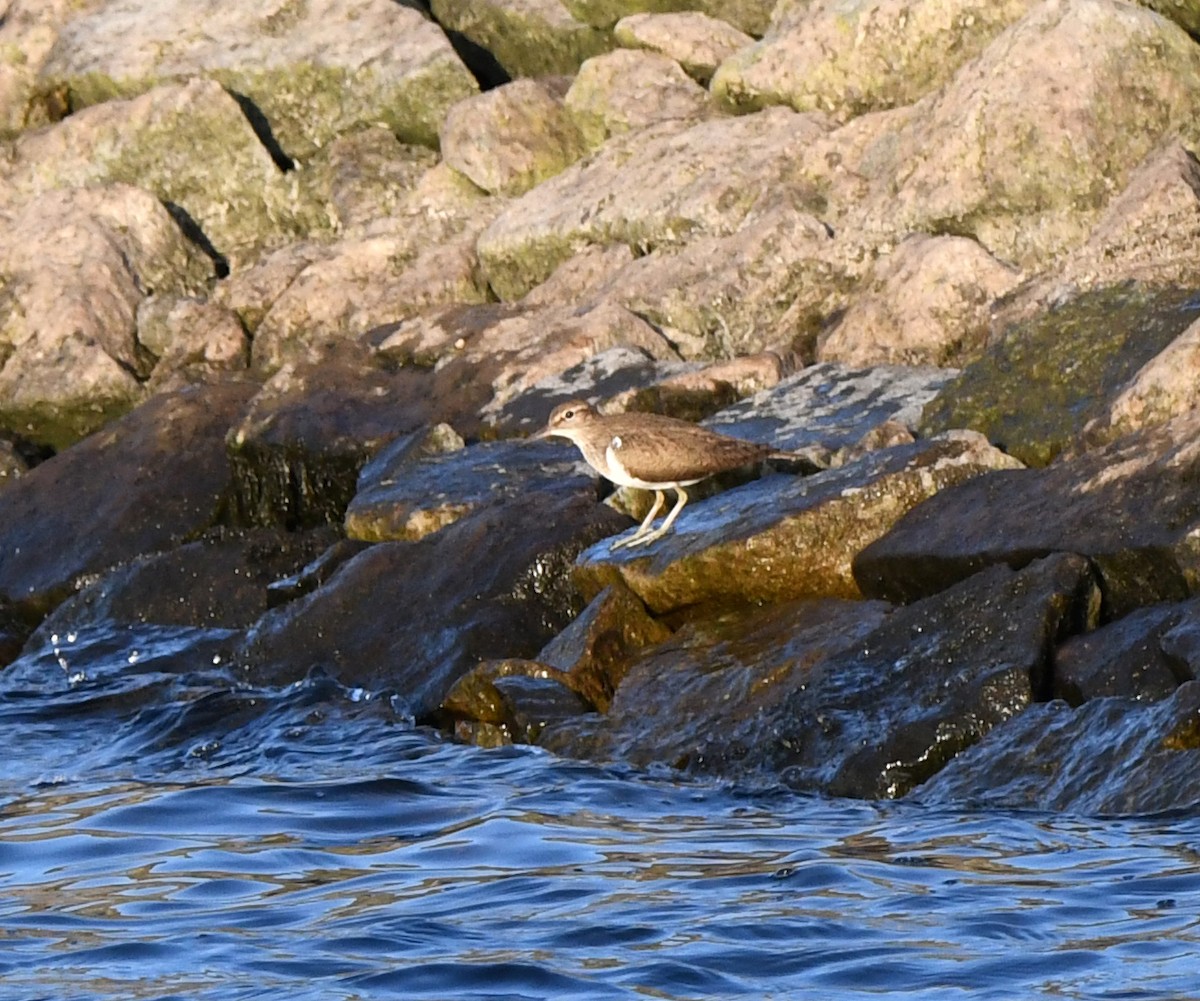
(512, 138)
(414, 617)
(529, 38)
(14, 631)
(313, 71)
(28, 30)
(193, 340)
(617, 375)
(629, 90)
(697, 391)
(509, 701)
(491, 354)
(1016, 392)
(833, 406)
(697, 42)
(1130, 507)
(366, 176)
(153, 478)
(597, 649)
(929, 304)
(1135, 657)
(1165, 387)
(74, 267)
(401, 496)
(841, 698)
(217, 582)
(662, 187)
(972, 162)
(297, 451)
(783, 538)
(360, 283)
(848, 59)
(188, 144)
(750, 16)
(12, 463)
(1185, 13)
(765, 287)
(1109, 757)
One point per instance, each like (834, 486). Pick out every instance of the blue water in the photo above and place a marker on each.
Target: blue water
(168, 833)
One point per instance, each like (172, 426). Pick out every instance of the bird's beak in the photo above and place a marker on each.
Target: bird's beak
(544, 433)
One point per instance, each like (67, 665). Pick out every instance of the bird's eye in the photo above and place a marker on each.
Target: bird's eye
(568, 415)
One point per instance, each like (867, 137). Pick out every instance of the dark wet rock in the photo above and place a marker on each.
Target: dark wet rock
(840, 697)
(597, 649)
(785, 537)
(1145, 655)
(414, 616)
(218, 582)
(1036, 389)
(510, 701)
(298, 451)
(833, 405)
(14, 630)
(1110, 756)
(1132, 508)
(405, 497)
(313, 574)
(148, 482)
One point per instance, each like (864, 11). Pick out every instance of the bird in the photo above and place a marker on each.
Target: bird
(651, 452)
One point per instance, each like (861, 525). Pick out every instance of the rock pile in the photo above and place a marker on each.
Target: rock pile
(284, 288)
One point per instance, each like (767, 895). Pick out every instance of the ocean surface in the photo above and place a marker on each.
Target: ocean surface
(168, 833)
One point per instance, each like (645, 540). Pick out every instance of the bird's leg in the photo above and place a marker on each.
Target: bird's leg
(659, 498)
(658, 533)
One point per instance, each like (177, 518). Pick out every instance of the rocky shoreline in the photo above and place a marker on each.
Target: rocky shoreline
(284, 292)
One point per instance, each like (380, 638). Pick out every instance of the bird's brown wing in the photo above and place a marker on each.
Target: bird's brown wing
(669, 451)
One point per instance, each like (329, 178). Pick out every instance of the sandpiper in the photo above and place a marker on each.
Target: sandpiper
(651, 452)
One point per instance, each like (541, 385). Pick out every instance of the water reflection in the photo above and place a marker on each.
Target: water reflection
(320, 847)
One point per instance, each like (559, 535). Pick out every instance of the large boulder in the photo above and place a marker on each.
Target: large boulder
(151, 480)
(314, 70)
(1132, 508)
(841, 698)
(75, 268)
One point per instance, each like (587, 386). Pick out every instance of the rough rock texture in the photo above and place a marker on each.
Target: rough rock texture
(415, 616)
(1016, 392)
(526, 37)
(217, 582)
(494, 353)
(512, 138)
(314, 69)
(832, 405)
(165, 478)
(1132, 508)
(677, 183)
(297, 450)
(399, 498)
(1166, 386)
(751, 16)
(28, 29)
(842, 698)
(697, 42)
(193, 340)
(1145, 655)
(972, 161)
(1108, 757)
(628, 90)
(191, 145)
(850, 58)
(74, 268)
(785, 537)
(929, 303)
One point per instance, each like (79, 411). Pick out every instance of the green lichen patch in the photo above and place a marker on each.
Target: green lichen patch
(1035, 389)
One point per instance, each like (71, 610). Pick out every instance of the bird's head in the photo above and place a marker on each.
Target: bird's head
(567, 420)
